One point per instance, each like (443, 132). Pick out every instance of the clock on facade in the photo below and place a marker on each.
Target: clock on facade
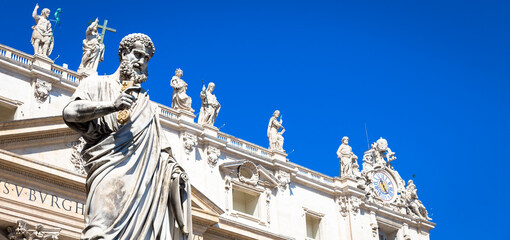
(384, 186)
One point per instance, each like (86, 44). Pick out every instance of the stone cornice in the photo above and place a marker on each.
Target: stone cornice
(34, 169)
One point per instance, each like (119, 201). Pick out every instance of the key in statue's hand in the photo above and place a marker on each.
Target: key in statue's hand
(123, 101)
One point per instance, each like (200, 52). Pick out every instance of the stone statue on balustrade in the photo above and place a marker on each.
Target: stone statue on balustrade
(42, 35)
(348, 161)
(133, 191)
(210, 106)
(274, 134)
(414, 205)
(180, 100)
(93, 50)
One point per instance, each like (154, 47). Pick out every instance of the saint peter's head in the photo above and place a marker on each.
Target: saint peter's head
(345, 140)
(135, 51)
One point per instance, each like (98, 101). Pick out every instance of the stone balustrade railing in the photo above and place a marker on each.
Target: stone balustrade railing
(166, 112)
(314, 175)
(15, 55)
(244, 145)
(68, 75)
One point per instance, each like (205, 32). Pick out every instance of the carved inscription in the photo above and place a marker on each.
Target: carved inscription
(36, 197)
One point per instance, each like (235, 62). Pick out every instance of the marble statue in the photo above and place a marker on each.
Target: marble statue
(414, 205)
(379, 156)
(93, 50)
(42, 36)
(273, 132)
(210, 106)
(180, 100)
(348, 161)
(135, 188)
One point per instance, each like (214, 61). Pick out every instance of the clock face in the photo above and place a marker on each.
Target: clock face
(384, 186)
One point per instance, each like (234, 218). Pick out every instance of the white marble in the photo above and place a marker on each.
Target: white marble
(42, 35)
(210, 106)
(180, 100)
(93, 50)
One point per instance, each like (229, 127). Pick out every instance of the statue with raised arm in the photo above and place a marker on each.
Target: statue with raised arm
(135, 188)
(274, 134)
(93, 50)
(210, 106)
(42, 35)
(180, 100)
(348, 161)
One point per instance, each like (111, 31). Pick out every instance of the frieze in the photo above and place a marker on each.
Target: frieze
(48, 200)
(23, 232)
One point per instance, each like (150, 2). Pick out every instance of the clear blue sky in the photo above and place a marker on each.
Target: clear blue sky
(432, 77)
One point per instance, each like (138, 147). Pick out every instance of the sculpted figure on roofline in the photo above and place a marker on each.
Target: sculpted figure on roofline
(42, 35)
(93, 49)
(210, 106)
(180, 100)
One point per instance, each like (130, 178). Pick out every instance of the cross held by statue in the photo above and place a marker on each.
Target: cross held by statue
(105, 28)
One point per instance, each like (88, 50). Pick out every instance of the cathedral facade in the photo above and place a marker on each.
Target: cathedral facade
(239, 190)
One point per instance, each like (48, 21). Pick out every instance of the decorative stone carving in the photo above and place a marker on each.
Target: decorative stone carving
(406, 232)
(348, 161)
(349, 204)
(268, 203)
(373, 225)
(42, 90)
(22, 232)
(93, 50)
(283, 179)
(76, 157)
(414, 206)
(274, 134)
(379, 156)
(180, 100)
(355, 204)
(248, 173)
(212, 155)
(344, 207)
(42, 35)
(228, 187)
(189, 141)
(210, 106)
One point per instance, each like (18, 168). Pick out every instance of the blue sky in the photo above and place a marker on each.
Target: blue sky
(432, 77)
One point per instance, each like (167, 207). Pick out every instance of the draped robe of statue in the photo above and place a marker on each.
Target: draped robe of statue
(135, 188)
(347, 159)
(180, 100)
(93, 50)
(272, 134)
(209, 109)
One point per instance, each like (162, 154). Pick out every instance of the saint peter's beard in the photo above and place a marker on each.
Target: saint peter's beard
(128, 73)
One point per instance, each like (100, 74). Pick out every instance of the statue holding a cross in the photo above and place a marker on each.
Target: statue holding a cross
(93, 47)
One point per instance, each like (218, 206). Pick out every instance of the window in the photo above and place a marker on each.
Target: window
(312, 227)
(387, 234)
(8, 109)
(246, 202)
(6, 114)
